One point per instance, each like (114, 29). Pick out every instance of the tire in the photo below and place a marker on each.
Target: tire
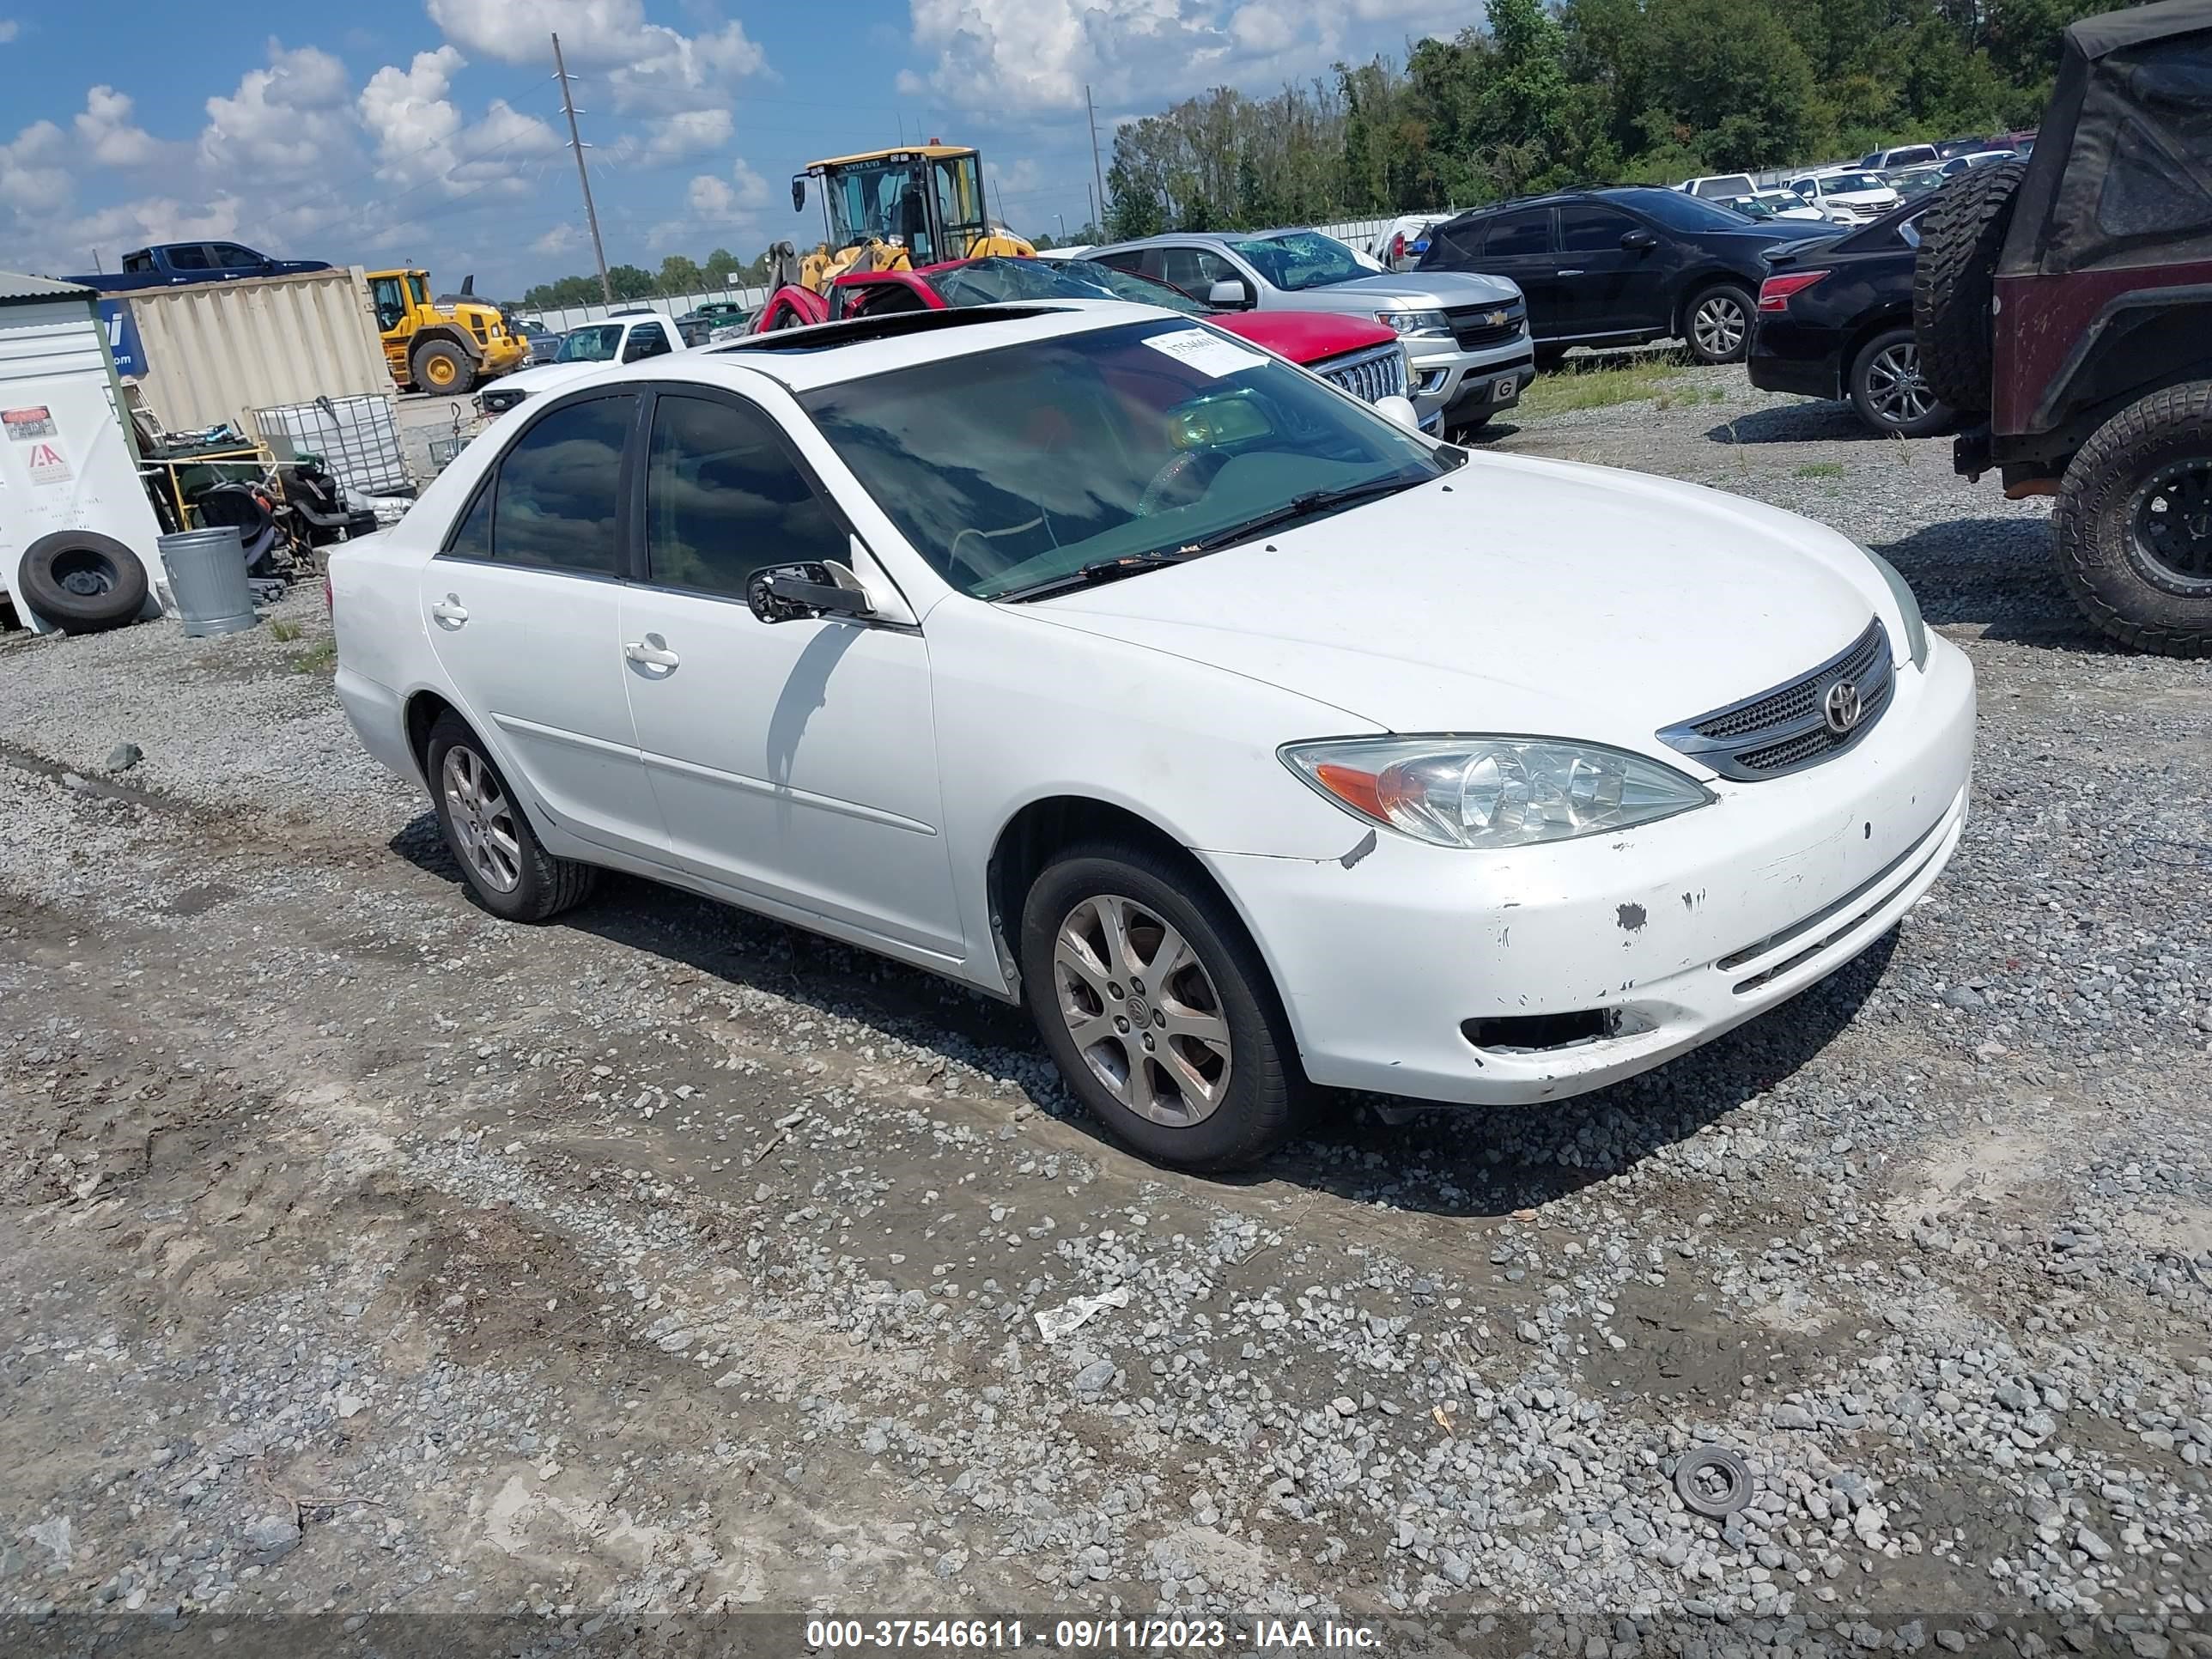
(82, 582)
(435, 358)
(1954, 275)
(1476, 424)
(2148, 593)
(1888, 392)
(1258, 1080)
(542, 885)
(1717, 323)
(1549, 358)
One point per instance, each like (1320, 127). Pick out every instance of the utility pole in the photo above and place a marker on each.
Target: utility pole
(1091, 202)
(1096, 172)
(576, 143)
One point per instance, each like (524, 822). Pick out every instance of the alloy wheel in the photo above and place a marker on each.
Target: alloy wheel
(1893, 387)
(2171, 521)
(482, 820)
(1717, 325)
(1141, 1009)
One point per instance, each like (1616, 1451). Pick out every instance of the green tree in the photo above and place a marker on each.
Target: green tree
(631, 282)
(680, 274)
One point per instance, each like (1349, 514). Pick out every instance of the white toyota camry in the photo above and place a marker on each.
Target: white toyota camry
(1100, 660)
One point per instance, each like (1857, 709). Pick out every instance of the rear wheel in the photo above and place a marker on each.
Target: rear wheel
(1888, 390)
(441, 367)
(1954, 274)
(2133, 524)
(1717, 323)
(485, 829)
(1157, 1008)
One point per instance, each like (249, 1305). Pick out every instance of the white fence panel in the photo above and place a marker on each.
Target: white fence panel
(561, 319)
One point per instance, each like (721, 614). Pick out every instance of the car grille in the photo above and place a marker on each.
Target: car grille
(1790, 728)
(1476, 326)
(1376, 372)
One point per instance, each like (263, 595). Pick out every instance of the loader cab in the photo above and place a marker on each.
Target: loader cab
(927, 200)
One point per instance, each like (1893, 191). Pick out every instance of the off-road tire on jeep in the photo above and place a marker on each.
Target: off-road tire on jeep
(442, 351)
(81, 581)
(2157, 448)
(1961, 234)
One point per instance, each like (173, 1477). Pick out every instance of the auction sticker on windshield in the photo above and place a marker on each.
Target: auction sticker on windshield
(1207, 353)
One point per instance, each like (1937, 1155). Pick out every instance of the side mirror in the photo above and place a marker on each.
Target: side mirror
(1638, 241)
(1399, 412)
(1229, 293)
(792, 593)
(799, 193)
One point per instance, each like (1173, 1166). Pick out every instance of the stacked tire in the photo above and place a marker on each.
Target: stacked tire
(2133, 517)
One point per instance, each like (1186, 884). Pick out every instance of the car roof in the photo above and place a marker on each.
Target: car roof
(828, 354)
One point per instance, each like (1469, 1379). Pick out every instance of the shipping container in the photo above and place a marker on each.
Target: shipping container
(217, 351)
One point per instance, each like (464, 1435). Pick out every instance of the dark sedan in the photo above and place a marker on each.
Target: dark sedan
(1835, 320)
(1621, 265)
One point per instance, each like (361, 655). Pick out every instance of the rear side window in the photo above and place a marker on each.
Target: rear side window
(723, 497)
(1518, 233)
(554, 501)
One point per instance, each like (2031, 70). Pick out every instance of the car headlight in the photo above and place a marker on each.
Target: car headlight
(1916, 629)
(1415, 322)
(1489, 791)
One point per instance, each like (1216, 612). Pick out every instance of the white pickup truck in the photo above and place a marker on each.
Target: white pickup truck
(627, 337)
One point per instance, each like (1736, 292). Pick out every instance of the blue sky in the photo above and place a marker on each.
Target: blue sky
(429, 131)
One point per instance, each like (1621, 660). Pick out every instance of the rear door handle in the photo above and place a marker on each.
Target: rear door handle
(1576, 272)
(450, 611)
(652, 651)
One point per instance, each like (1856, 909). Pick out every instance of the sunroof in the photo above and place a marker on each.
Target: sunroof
(825, 336)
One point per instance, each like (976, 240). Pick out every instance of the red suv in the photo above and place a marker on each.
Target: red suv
(2068, 300)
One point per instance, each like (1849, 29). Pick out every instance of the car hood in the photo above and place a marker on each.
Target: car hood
(1516, 595)
(540, 378)
(1306, 337)
(1415, 290)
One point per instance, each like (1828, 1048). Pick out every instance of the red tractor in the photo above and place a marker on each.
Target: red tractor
(2068, 300)
(1364, 358)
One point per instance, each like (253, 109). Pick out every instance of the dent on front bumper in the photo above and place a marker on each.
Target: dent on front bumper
(1419, 971)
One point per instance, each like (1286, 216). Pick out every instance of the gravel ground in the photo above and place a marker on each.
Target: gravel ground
(653, 1271)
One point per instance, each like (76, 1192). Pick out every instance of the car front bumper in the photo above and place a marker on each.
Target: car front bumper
(1456, 384)
(1416, 970)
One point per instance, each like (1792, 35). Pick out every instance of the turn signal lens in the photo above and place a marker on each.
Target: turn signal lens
(1493, 791)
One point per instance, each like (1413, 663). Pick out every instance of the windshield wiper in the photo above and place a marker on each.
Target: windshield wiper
(1300, 506)
(1105, 570)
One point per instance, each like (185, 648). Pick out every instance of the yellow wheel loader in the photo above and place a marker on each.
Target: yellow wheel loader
(896, 209)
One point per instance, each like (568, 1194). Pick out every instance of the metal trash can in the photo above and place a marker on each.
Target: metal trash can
(207, 578)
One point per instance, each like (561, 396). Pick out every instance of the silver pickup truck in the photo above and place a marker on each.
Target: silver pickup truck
(1467, 335)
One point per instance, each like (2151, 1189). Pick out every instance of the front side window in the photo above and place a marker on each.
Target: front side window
(1592, 229)
(723, 497)
(1299, 260)
(188, 256)
(1194, 270)
(230, 256)
(556, 500)
(1113, 444)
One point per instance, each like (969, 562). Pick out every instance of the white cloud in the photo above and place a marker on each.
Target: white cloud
(687, 133)
(1030, 56)
(709, 197)
(31, 179)
(646, 65)
(422, 137)
(10, 28)
(751, 188)
(559, 240)
(291, 120)
(105, 131)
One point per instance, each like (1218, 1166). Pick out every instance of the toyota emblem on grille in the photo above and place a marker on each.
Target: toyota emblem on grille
(1842, 708)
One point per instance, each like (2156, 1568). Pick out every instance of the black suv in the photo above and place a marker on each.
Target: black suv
(1622, 265)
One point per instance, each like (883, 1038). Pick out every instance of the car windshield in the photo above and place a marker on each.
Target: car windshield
(1140, 440)
(1301, 260)
(1672, 208)
(999, 281)
(1750, 207)
(590, 345)
(1842, 184)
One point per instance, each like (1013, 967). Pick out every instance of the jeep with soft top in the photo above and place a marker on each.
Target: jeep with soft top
(2067, 301)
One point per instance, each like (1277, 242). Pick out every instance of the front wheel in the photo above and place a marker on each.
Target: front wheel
(2133, 524)
(1718, 324)
(1157, 1008)
(1889, 391)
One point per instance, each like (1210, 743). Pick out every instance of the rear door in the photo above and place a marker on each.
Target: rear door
(1603, 287)
(1518, 246)
(523, 606)
(792, 760)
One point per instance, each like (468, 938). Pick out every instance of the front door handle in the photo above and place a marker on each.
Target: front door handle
(652, 651)
(450, 611)
(1576, 272)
